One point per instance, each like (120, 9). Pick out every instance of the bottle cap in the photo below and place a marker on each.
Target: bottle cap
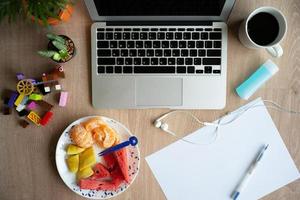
(271, 67)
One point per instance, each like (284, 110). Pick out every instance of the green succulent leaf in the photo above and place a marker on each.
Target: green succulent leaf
(47, 54)
(63, 54)
(58, 38)
(56, 56)
(59, 45)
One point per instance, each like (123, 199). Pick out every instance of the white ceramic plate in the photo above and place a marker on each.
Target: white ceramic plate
(70, 178)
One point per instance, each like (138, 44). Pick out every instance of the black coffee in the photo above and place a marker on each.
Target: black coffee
(263, 28)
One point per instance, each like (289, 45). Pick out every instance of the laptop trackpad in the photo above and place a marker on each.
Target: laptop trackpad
(159, 91)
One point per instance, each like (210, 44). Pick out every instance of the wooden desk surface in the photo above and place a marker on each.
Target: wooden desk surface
(27, 166)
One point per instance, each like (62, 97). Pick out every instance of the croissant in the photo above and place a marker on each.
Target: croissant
(81, 137)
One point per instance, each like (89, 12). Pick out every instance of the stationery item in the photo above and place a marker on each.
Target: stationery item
(19, 99)
(63, 99)
(46, 118)
(187, 171)
(257, 79)
(131, 141)
(247, 177)
(264, 28)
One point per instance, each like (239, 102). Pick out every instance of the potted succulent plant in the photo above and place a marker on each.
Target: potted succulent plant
(44, 12)
(60, 48)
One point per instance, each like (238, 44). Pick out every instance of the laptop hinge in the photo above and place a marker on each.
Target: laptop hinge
(159, 23)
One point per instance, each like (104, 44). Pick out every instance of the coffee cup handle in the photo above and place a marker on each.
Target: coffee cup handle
(275, 51)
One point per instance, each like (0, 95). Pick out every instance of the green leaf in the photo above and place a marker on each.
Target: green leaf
(59, 45)
(58, 38)
(47, 54)
(63, 54)
(56, 56)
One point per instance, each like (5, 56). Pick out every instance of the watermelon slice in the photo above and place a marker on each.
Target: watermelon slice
(110, 161)
(121, 156)
(117, 177)
(91, 184)
(100, 171)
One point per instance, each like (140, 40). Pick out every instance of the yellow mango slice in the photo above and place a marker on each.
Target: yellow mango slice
(73, 162)
(87, 158)
(73, 149)
(85, 173)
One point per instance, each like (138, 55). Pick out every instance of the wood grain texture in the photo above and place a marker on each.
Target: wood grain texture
(27, 166)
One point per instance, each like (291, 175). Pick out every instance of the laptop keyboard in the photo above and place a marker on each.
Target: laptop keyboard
(189, 51)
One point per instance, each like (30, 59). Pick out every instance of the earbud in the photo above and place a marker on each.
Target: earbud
(164, 126)
(157, 123)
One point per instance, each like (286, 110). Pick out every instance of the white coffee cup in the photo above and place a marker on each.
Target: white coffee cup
(274, 47)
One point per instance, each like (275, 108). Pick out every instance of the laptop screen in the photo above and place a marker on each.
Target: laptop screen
(159, 7)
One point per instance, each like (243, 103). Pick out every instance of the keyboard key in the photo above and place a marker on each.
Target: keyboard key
(208, 44)
(106, 61)
(195, 36)
(130, 44)
(172, 29)
(199, 44)
(197, 61)
(169, 36)
(113, 44)
(156, 44)
(181, 29)
(208, 29)
(154, 61)
(161, 36)
(189, 61)
(163, 61)
(127, 70)
(146, 61)
(152, 36)
(181, 70)
(122, 44)
(182, 44)
(126, 36)
(135, 36)
(217, 29)
(190, 29)
(118, 29)
(101, 70)
(139, 44)
(158, 52)
(211, 61)
(191, 69)
(215, 36)
(137, 61)
(128, 61)
(148, 44)
(184, 53)
(100, 36)
(154, 70)
(178, 36)
(217, 71)
(143, 36)
(176, 52)
(207, 69)
(165, 44)
(180, 61)
(154, 29)
(109, 70)
(217, 44)
(109, 29)
(193, 53)
(214, 52)
(127, 29)
(118, 69)
(199, 71)
(173, 44)
(102, 44)
(201, 53)
(150, 52)
(100, 29)
(124, 52)
(141, 53)
(163, 29)
(145, 29)
(171, 61)
(199, 29)
(117, 36)
(105, 52)
(191, 44)
(167, 52)
(204, 36)
(132, 52)
(186, 35)
(136, 29)
(109, 36)
(120, 61)
(115, 52)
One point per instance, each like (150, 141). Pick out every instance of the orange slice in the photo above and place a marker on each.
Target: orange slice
(98, 135)
(110, 137)
(93, 123)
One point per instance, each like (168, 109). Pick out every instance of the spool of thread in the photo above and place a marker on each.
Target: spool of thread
(257, 79)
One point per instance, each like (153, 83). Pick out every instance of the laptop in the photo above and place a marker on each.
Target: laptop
(159, 53)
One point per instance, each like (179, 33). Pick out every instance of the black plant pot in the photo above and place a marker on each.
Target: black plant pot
(70, 46)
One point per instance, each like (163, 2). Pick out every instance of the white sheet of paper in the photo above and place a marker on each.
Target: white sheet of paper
(186, 171)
